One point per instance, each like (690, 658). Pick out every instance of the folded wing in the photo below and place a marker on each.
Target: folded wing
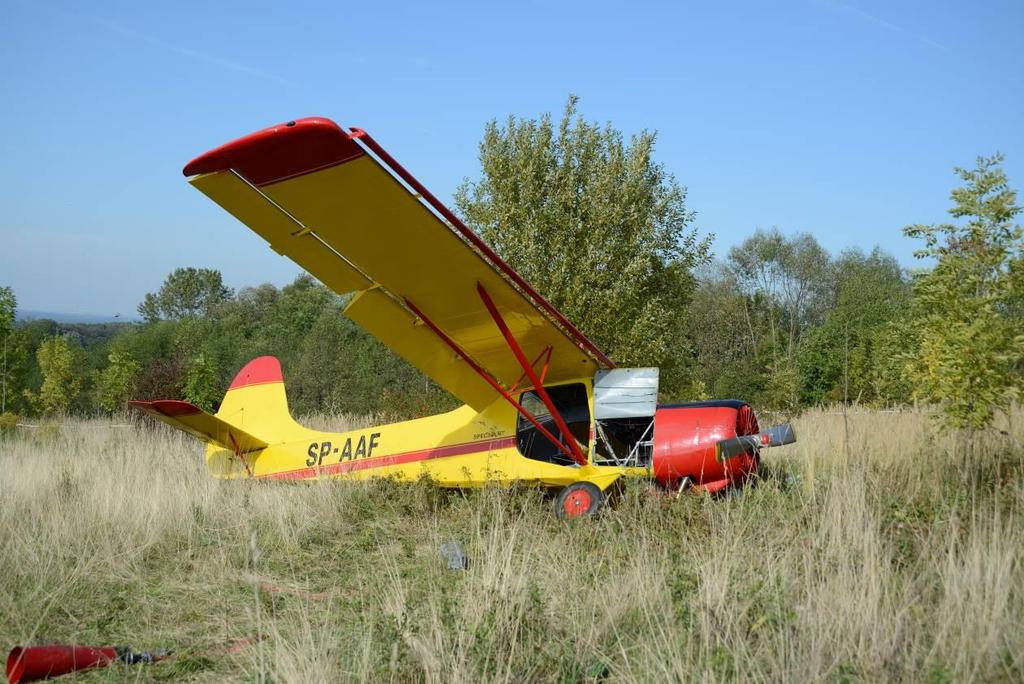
(339, 206)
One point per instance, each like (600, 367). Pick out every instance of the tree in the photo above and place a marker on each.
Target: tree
(8, 308)
(891, 378)
(245, 317)
(342, 369)
(969, 343)
(597, 226)
(157, 348)
(292, 316)
(780, 284)
(726, 347)
(116, 383)
(202, 387)
(16, 365)
(786, 280)
(185, 292)
(61, 377)
(839, 359)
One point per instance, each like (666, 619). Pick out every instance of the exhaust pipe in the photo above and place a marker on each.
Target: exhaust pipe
(32, 663)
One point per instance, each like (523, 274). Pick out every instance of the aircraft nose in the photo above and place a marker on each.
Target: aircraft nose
(686, 436)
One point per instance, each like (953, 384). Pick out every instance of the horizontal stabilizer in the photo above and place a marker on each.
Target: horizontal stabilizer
(198, 423)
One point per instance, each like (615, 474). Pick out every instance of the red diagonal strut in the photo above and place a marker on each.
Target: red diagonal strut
(543, 372)
(490, 380)
(239, 454)
(538, 385)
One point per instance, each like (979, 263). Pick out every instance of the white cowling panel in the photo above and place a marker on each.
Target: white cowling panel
(625, 393)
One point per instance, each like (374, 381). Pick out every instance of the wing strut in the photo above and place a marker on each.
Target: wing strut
(538, 384)
(496, 385)
(546, 355)
(239, 454)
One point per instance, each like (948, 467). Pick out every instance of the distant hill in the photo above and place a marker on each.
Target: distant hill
(31, 315)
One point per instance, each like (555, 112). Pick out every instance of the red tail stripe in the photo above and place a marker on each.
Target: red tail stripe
(259, 371)
(394, 459)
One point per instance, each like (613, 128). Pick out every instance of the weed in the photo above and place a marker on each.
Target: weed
(903, 560)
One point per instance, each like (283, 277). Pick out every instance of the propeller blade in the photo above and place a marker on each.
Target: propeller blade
(780, 435)
(730, 448)
(744, 444)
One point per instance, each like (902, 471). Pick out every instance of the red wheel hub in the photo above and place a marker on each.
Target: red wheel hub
(577, 503)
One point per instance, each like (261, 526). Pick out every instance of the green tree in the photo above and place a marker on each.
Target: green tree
(753, 311)
(245, 318)
(163, 362)
(786, 280)
(892, 380)
(782, 386)
(292, 316)
(61, 376)
(8, 308)
(185, 292)
(115, 384)
(16, 366)
(724, 338)
(342, 369)
(969, 342)
(839, 358)
(597, 226)
(202, 386)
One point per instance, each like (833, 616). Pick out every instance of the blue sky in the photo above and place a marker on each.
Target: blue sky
(842, 119)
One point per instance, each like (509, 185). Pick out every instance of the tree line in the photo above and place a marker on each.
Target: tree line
(602, 229)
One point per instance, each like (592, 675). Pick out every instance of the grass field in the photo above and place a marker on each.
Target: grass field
(888, 556)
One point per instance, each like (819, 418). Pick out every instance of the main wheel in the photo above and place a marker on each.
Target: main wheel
(578, 500)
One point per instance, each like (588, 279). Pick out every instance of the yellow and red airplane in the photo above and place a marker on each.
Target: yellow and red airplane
(542, 403)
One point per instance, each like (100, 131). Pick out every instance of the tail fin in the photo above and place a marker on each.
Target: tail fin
(256, 402)
(253, 415)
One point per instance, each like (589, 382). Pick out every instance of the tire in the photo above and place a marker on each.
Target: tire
(579, 500)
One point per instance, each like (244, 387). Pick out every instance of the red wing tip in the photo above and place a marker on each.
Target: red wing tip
(278, 152)
(259, 371)
(168, 407)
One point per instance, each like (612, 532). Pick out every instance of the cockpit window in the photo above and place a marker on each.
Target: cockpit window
(571, 401)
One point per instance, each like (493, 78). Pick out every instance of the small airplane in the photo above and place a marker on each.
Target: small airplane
(542, 403)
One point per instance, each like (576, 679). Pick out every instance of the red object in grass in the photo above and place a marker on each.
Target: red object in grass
(32, 663)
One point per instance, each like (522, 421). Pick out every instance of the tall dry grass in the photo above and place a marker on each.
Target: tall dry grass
(880, 552)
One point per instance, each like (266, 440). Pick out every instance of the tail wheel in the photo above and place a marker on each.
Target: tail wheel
(578, 500)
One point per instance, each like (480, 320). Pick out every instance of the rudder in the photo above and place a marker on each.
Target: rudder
(256, 401)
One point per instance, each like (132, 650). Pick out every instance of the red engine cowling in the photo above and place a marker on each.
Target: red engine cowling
(684, 444)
